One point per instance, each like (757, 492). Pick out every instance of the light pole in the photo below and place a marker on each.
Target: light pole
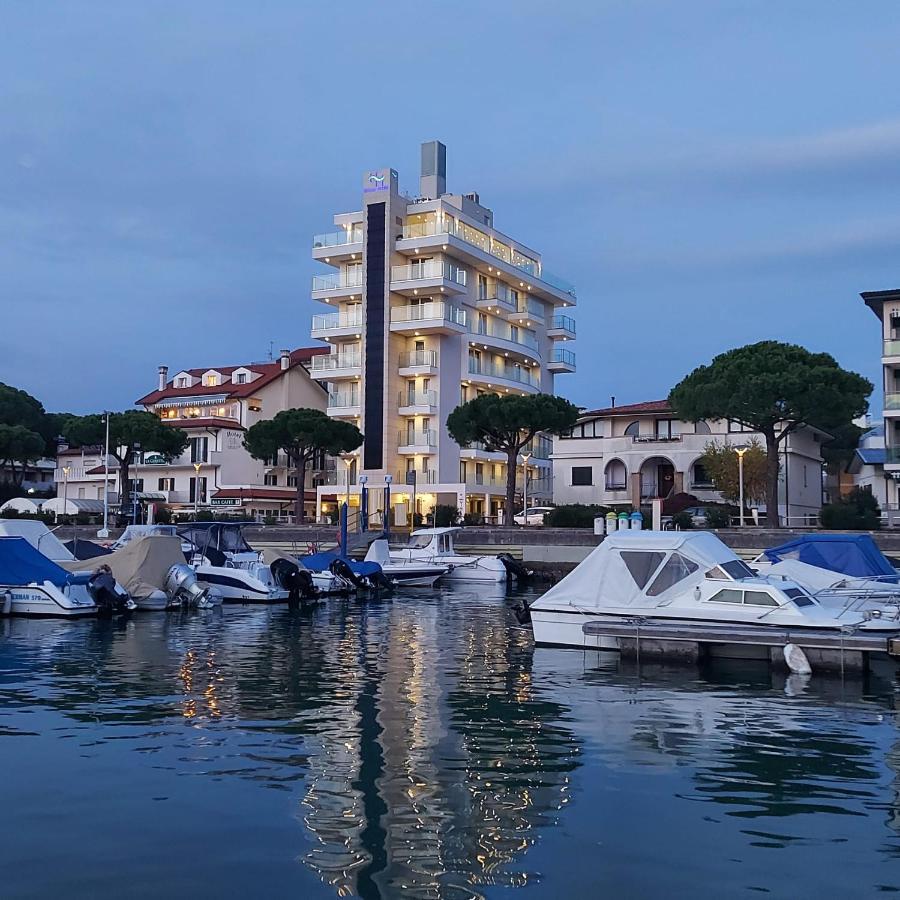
(740, 454)
(104, 531)
(66, 470)
(197, 490)
(525, 459)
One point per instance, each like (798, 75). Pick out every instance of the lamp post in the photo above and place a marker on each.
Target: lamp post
(740, 454)
(66, 470)
(525, 459)
(197, 490)
(348, 462)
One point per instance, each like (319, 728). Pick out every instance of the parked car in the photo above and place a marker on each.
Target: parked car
(698, 514)
(534, 515)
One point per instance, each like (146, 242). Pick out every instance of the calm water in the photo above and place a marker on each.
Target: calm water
(421, 747)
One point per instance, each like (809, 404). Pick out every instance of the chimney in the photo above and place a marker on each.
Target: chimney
(285, 360)
(433, 180)
(163, 377)
(612, 401)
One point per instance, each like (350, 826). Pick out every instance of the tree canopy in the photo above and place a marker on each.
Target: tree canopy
(721, 463)
(505, 424)
(774, 389)
(29, 433)
(18, 447)
(301, 434)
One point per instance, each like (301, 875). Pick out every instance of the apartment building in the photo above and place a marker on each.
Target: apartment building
(629, 455)
(215, 406)
(430, 305)
(886, 305)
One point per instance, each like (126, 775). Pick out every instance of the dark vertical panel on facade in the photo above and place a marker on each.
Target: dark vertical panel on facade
(373, 448)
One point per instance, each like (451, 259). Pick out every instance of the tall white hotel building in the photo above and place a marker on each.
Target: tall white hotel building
(431, 306)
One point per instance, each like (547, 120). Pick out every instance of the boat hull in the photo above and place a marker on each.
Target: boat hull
(238, 586)
(45, 601)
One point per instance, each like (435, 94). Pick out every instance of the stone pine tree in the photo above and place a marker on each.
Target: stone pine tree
(130, 432)
(774, 389)
(505, 424)
(301, 434)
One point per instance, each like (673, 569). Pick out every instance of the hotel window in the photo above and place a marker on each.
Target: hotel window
(737, 428)
(462, 472)
(182, 383)
(633, 430)
(702, 427)
(292, 481)
(192, 490)
(701, 476)
(270, 480)
(242, 378)
(582, 476)
(212, 380)
(166, 484)
(199, 449)
(482, 287)
(479, 473)
(668, 428)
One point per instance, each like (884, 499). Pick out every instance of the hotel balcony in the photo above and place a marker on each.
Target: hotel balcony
(509, 376)
(338, 246)
(417, 403)
(417, 362)
(561, 328)
(476, 450)
(419, 442)
(892, 457)
(510, 339)
(337, 326)
(401, 485)
(561, 361)
(346, 283)
(497, 299)
(529, 312)
(334, 366)
(434, 317)
(428, 276)
(892, 404)
(891, 350)
(343, 404)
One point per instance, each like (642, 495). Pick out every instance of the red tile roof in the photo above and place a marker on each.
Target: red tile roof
(268, 371)
(649, 406)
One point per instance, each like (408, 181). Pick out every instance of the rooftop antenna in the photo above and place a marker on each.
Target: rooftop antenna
(271, 350)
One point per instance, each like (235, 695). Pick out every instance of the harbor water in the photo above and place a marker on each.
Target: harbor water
(421, 746)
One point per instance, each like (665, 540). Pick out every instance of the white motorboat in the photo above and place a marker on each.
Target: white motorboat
(688, 578)
(226, 563)
(404, 572)
(434, 546)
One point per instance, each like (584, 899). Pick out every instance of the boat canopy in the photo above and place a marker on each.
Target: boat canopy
(22, 564)
(849, 554)
(227, 537)
(38, 535)
(637, 568)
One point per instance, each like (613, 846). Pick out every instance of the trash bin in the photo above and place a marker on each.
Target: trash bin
(611, 522)
(599, 525)
(623, 521)
(637, 521)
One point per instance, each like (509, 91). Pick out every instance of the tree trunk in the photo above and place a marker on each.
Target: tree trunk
(772, 517)
(512, 458)
(300, 463)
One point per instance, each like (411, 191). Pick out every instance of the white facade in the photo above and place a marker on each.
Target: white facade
(628, 455)
(868, 468)
(215, 407)
(429, 306)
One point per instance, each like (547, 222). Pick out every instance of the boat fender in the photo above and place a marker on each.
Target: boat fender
(796, 660)
(7, 603)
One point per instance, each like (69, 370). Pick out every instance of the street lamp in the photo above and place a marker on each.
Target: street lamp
(348, 462)
(740, 454)
(525, 459)
(197, 490)
(66, 470)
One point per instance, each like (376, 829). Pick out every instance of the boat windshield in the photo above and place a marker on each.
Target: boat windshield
(735, 569)
(800, 598)
(419, 541)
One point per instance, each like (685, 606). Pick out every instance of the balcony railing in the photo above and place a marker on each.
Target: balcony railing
(426, 438)
(507, 333)
(348, 278)
(531, 307)
(615, 486)
(329, 321)
(559, 355)
(417, 398)
(329, 361)
(428, 269)
(891, 348)
(410, 358)
(424, 311)
(338, 399)
(566, 323)
(892, 454)
(338, 238)
(655, 438)
(509, 372)
(892, 401)
(427, 477)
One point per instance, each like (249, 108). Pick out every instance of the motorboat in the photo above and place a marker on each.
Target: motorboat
(350, 575)
(225, 562)
(404, 572)
(33, 585)
(680, 578)
(435, 546)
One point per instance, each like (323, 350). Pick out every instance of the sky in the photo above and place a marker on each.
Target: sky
(708, 173)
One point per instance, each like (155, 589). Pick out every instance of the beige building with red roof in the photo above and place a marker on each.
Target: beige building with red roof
(215, 406)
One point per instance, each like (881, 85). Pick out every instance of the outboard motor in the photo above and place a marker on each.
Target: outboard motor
(106, 593)
(296, 581)
(342, 570)
(181, 587)
(515, 569)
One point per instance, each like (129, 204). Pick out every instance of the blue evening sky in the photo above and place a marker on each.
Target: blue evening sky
(707, 172)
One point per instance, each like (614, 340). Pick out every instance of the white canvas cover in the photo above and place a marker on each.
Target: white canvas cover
(140, 567)
(815, 579)
(379, 552)
(22, 505)
(604, 578)
(38, 535)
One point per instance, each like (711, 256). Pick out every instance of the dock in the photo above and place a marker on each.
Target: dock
(847, 650)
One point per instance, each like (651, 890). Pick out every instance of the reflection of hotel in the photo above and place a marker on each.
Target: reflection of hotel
(431, 306)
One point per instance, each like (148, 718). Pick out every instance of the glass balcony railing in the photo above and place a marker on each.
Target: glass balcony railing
(411, 358)
(428, 269)
(559, 283)
(564, 323)
(429, 476)
(567, 357)
(338, 238)
(341, 399)
(891, 348)
(427, 438)
(530, 307)
(419, 312)
(509, 372)
(506, 332)
(417, 398)
(331, 321)
(330, 361)
(892, 454)
(347, 278)
(892, 401)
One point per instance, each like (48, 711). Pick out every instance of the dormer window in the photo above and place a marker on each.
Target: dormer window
(181, 382)
(211, 381)
(241, 377)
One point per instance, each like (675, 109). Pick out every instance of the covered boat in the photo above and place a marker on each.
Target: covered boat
(856, 555)
(435, 547)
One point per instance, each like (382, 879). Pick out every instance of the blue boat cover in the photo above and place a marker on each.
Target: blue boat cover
(320, 562)
(21, 564)
(850, 554)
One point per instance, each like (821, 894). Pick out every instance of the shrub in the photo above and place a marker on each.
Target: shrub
(717, 516)
(473, 518)
(858, 511)
(683, 520)
(574, 515)
(163, 515)
(445, 515)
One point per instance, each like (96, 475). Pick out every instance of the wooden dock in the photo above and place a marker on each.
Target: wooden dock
(849, 649)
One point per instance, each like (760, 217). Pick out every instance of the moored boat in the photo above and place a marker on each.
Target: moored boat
(435, 546)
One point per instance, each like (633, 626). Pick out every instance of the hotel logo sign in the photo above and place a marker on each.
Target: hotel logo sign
(378, 180)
